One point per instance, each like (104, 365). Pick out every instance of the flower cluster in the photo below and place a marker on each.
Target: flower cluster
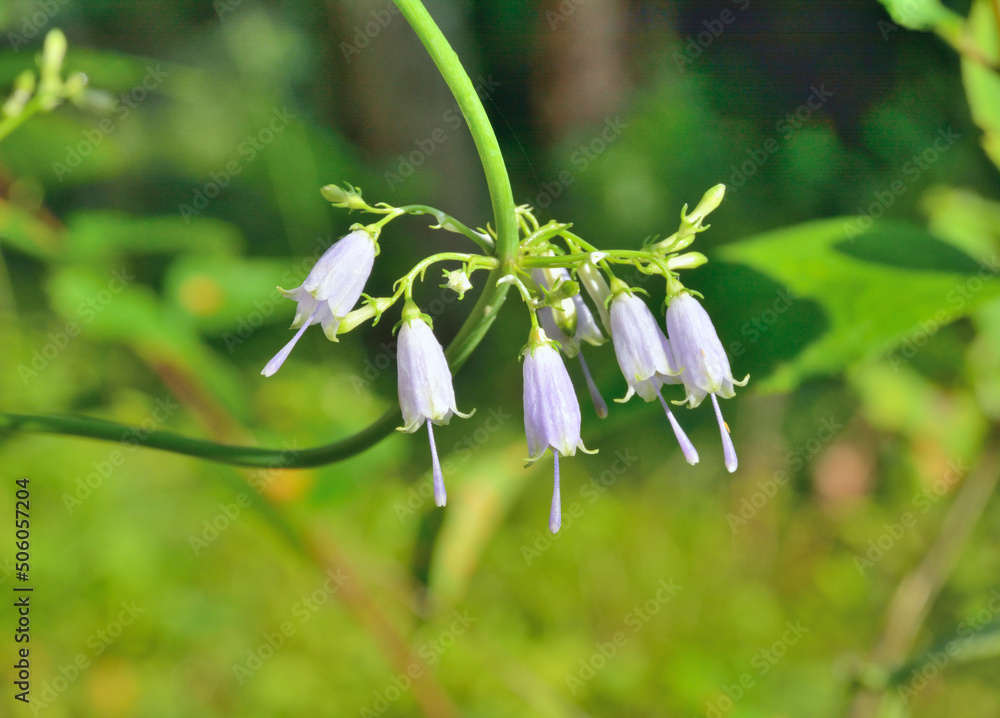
(688, 353)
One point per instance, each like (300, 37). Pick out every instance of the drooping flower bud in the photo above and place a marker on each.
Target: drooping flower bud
(710, 202)
(330, 290)
(551, 410)
(425, 388)
(644, 356)
(642, 351)
(703, 362)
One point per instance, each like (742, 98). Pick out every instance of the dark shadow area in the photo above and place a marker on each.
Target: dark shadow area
(760, 322)
(908, 248)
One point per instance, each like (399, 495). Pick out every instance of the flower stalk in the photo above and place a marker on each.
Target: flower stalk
(553, 268)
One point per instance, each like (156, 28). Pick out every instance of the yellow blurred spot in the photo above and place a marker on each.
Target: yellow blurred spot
(287, 484)
(113, 688)
(201, 295)
(726, 424)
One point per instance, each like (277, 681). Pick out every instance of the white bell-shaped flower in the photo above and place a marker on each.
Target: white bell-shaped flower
(703, 362)
(584, 325)
(426, 394)
(330, 290)
(644, 356)
(551, 410)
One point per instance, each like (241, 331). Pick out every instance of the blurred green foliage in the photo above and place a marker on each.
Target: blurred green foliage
(852, 274)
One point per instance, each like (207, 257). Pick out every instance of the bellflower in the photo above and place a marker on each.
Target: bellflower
(644, 356)
(426, 393)
(704, 365)
(551, 411)
(584, 329)
(330, 290)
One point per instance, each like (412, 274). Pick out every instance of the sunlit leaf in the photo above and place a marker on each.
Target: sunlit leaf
(875, 287)
(982, 84)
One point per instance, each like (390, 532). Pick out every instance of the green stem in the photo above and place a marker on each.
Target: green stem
(619, 256)
(544, 233)
(475, 261)
(9, 124)
(449, 223)
(472, 332)
(226, 454)
(472, 108)
(445, 221)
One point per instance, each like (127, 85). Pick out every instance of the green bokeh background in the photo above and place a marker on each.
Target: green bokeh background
(852, 274)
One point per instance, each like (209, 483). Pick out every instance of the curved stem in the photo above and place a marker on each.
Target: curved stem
(288, 458)
(475, 261)
(444, 220)
(472, 108)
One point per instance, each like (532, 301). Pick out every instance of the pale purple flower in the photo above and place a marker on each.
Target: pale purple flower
(426, 393)
(703, 362)
(551, 411)
(330, 290)
(642, 351)
(584, 329)
(645, 357)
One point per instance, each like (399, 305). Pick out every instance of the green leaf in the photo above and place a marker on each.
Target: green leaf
(111, 306)
(96, 235)
(982, 84)
(963, 218)
(980, 645)
(27, 232)
(874, 288)
(920, 14)
(223, 295)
